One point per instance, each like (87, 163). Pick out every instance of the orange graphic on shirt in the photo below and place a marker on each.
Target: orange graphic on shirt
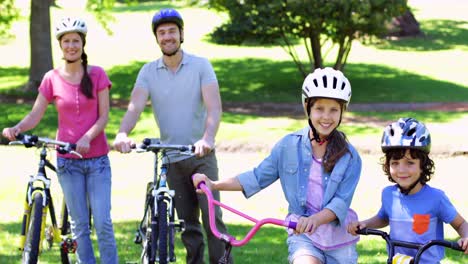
(421, 223)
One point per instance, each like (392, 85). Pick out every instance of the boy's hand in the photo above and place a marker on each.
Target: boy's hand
(354, 227)
(463, 243)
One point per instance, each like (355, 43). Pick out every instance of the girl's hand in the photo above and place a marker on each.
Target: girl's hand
(83, 145)
(199, 177)
(463, 243)
(307, 224)
(354, 227)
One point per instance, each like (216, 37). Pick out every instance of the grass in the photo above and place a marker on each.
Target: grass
(258, 250)
(409, 70)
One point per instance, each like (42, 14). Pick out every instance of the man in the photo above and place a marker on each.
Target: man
(186, 104)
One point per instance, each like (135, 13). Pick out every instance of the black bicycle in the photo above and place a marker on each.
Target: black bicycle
(157, 229)
(421, 248)
(34, 228)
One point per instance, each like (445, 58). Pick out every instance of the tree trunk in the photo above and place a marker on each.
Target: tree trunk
(41, 49)
(405, 25)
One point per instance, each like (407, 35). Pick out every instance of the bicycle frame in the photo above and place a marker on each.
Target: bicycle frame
(39, 202)
(158, 226)
(229, 239)
(391, 244)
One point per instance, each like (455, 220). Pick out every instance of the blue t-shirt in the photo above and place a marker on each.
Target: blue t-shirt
(417, 218)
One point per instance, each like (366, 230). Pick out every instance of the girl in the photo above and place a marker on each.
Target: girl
(80, 93)
(319, 171)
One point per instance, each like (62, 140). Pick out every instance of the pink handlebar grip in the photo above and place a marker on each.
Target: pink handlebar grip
(227, 237)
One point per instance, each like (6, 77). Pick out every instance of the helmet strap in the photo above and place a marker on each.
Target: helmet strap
(409, 189)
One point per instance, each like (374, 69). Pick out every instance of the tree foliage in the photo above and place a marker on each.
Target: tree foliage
(8, 14)
(40, 35)
(313, 22)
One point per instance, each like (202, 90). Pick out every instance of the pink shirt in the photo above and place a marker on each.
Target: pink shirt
(76, 113)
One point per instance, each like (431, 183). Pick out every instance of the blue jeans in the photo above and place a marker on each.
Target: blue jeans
(87, 182)
(301, 245)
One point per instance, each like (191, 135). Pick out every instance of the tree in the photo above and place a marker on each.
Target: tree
(40, 35)
(314, 22)
(40, 45)
(8, 13)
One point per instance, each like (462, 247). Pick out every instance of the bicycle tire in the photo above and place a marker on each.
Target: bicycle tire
(33, 236)
(147, 243)
(162, 234)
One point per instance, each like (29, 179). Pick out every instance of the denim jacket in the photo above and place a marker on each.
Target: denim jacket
(290, 161)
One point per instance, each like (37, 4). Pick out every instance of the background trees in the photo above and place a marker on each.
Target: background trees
(312, 22)
(40, 35)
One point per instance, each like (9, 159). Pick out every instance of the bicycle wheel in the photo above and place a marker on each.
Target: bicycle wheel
(162, 235)
(33, 236)
(147, 254)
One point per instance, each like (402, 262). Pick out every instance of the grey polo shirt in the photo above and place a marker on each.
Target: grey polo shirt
(176, 97)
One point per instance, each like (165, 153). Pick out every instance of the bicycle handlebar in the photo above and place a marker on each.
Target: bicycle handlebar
(229, 238)
(154, 144)
(33, 140)
(419, 246)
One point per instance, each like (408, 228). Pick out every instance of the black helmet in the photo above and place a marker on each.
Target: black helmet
(167, 15)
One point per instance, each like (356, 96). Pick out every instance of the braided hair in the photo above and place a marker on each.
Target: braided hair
(86, 84)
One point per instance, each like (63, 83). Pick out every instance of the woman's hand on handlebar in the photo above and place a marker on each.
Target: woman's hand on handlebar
(11, 132)
(122, 143)
(197, 178)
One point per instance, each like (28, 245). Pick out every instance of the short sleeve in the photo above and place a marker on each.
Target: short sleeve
(207, 74)
(46, 87)
(101, 79)
(382, 213)
(142, 80)
(447, 210)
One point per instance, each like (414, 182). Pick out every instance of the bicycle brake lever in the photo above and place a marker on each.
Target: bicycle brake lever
(76, 153)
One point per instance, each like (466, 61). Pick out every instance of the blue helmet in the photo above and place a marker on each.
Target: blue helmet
(167, 15)
(406, 133)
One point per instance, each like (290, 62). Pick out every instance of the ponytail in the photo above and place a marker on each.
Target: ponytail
(336, 148)
(86, 84)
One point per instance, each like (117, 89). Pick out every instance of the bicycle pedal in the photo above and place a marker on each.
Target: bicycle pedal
(69, 245)
(138, 238)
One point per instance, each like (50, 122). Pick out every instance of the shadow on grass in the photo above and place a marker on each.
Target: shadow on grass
(439, 35)
(261, 80)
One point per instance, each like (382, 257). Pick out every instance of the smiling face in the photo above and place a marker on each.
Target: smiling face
(169, 38)
(406, 171)
(325, 116)
(72, 46)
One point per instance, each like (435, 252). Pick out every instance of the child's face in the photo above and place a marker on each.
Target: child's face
(325, 116)
(406, 171)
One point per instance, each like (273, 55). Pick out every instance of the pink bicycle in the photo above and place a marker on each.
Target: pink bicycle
(229, 239)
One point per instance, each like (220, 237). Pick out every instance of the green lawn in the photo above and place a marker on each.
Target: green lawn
(432, 69)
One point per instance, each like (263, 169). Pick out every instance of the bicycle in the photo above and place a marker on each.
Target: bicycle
(156, 231)
(38, 201)
(403, 259)
(229, 239)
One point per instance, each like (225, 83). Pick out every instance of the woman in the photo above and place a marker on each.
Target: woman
(80, 93)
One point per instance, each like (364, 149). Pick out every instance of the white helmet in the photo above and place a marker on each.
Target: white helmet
(69, 24)
(326, 83)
